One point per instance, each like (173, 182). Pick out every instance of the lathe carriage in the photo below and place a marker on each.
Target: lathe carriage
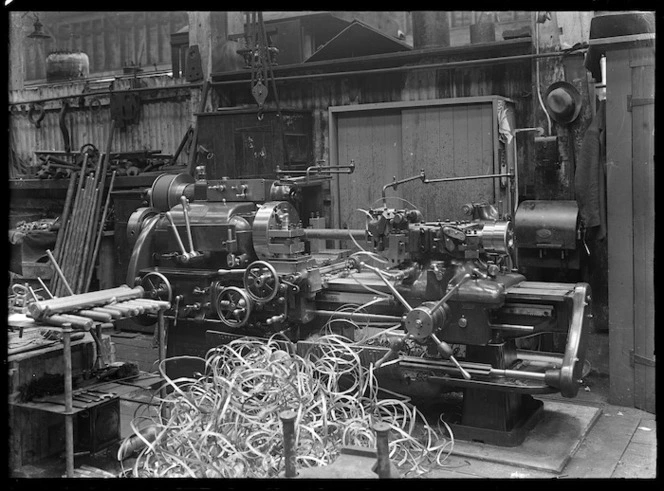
(441, 302)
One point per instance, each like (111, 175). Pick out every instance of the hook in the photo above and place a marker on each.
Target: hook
(39, 109)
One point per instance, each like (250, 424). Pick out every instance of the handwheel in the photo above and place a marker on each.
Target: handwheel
(157, 287)
(261, 281)
(233, 306)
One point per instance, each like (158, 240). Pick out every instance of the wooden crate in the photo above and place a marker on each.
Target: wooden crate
(35, 435)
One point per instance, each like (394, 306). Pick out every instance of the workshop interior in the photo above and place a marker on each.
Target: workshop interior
(331, 245)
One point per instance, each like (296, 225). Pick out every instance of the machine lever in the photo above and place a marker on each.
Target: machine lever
(394, 291)
(185, 212)
(446, 351)
(447, 296)
(176, 310)
(177, 235)
(394, 351)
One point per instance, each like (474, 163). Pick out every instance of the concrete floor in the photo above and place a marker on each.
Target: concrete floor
(621, 442)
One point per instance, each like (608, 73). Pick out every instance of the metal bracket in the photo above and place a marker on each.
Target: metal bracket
(640, 360)
(638, 102)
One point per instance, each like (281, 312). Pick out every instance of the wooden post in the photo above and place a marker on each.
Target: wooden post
(69, 421)
(209, 31)
(620, 231)
(16, 49)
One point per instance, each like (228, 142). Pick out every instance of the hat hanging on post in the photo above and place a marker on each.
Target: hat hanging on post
(563, 102)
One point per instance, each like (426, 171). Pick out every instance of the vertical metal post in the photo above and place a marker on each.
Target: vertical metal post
(69, 422)
(382, 467)
(161, 340)
(288, 422)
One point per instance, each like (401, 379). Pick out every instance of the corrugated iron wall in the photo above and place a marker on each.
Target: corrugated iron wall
(162, 124)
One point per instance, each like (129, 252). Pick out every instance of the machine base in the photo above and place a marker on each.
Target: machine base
(503, 438)
(548, 447)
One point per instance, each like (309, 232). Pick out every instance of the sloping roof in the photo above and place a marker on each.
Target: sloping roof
(358, 39)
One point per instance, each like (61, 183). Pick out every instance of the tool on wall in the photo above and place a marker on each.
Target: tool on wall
(125, 108)
(63, 126)
(36, 114)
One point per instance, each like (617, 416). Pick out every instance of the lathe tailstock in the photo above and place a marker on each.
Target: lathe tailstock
(437, 308)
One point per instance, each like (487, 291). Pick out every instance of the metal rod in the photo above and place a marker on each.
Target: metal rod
(467, 178)
(96, 316)
(395, 183)
(185, 213)
(358, 316)
(288, 422)
(83, 300)
(447, 296)
(69, 422)
(175, 232)
(67, 207)
(87, 237)
(100, 233)
(438, 66)
(334, 233)
(48, 292)
(59, 271)
(539, 357)
(442, 65)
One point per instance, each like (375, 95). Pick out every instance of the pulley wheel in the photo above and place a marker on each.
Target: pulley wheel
(135, 223)
(167, 189)
(233, 306)
(261, 281)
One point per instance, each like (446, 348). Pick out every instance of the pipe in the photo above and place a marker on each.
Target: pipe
(537, 72)
(69, 405)
(464, 178)
(100, 233)
(333, 233)
(443, 65)
(59, 271)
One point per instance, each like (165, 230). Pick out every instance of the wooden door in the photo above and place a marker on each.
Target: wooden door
(445, 138)
(373, 140)
(630, 216)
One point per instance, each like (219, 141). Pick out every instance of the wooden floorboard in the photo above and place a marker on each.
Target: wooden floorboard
(599, 453)
(638, 462)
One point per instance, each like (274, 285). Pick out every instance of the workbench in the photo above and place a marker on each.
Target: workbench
(31, 356)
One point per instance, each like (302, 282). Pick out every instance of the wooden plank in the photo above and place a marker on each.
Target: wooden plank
(599, 453)
(620, 223)
(646, 433)
(638, 462)
(643, 182)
